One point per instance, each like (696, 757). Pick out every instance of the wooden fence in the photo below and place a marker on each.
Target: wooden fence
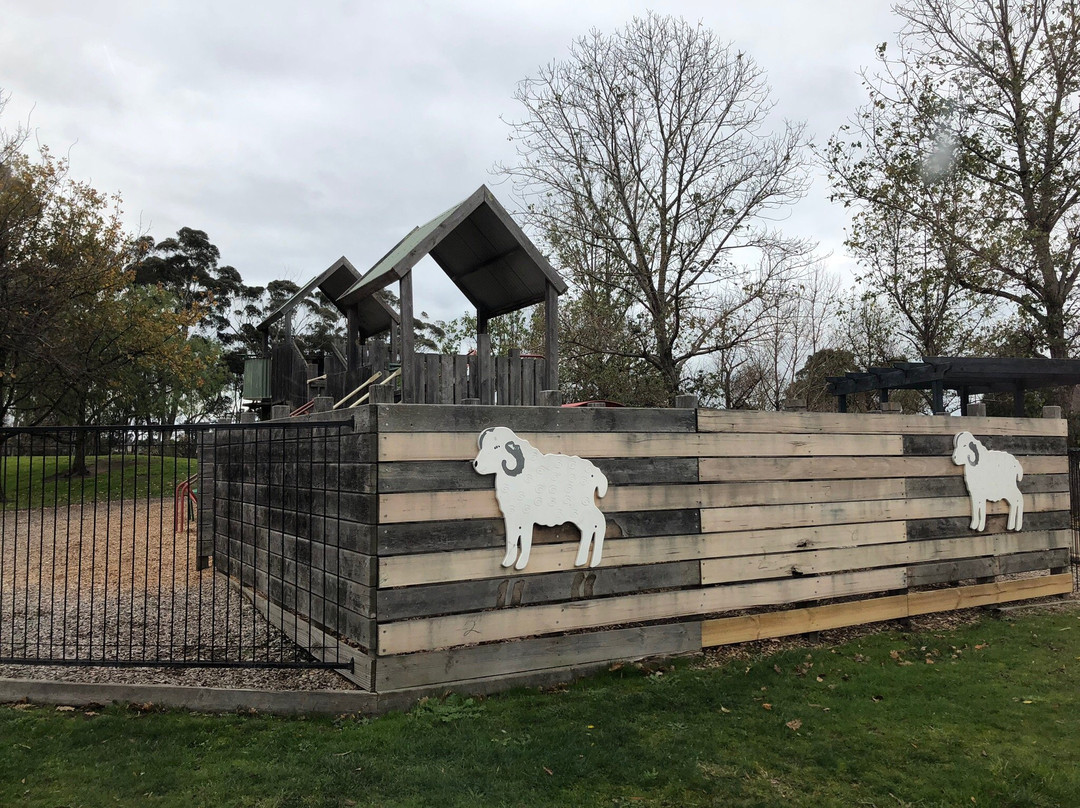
(722, 527)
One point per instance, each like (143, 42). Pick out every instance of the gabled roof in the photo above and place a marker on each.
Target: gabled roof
(338, 277)
(480, 248)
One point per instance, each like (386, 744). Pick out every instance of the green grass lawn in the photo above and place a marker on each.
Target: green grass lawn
(34, 481)
(987, 714)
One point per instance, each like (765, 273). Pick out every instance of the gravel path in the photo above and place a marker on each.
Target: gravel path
(115, 584)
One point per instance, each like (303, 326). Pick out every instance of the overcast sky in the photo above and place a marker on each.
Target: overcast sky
(295, 133)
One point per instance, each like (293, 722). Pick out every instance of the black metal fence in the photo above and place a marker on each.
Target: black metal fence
(111, 552)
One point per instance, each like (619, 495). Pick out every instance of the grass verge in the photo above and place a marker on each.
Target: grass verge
(986, 714)
(36, 481)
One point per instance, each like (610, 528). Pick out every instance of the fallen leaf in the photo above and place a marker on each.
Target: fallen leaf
(549, 771)
(821, 678)
(877, 698)
(63, 708)
(766, 705)
(777, 668)
(929, 661)
(794, 725)
(22, 705)
(724, 709)
(981, 646)
(894, 654)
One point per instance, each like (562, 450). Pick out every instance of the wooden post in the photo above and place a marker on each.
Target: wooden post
(977, 410)
(686, 402)
(841, 403)
(550, 398)
(938, 391)
(408, 359)
(288, 328)
(1018, 400)
(352, 345)
(965, 400)
(551, 338)
(483, 360)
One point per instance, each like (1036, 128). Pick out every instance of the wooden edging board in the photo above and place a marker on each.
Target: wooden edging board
(728, 630)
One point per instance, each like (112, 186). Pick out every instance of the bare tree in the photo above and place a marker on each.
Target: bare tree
(983, 96)
(650, 146)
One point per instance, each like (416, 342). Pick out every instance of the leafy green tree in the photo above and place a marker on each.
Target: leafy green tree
(971, 130)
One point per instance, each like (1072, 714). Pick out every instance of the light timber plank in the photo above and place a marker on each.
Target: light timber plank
(727, 630)
(397, 446)
(818, 562)
(542, 653)
(775, 516)
(504, 624)
(850, 423)
(751, 627)
(467, 565)
(426, 506)
(722, 469)
(943, 600)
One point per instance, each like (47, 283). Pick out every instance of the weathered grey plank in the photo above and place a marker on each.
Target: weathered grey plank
(459, 665)
(418, 418)
(424, 537)
(1014, 444)
(945, 528)
(459, 475)
(955, 487)
(461, 377)
(950, 571)
(523, 590)
(1027, 562)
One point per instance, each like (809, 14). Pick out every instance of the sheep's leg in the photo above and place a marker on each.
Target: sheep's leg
(1016, 512)
(975, 514)
(513, 532)
(598, 542)
(583, 545)
(982, 515)
(526, 545)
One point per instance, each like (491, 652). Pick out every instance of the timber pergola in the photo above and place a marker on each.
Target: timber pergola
(968, 376)
(494, 264)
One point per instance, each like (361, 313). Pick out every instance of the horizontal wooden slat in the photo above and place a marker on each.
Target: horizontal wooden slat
(513, 589)
(774, 516)
(475, 564)
(1019, 445)
(721, 469)
(505, 624)
(950, 527)
(424, 418)
(851, 423)
(956, 487)
(402, 446)
(818, 562)
(433, 505)
(422, 537)
(459, 475)
(727, 630)
(459, 665)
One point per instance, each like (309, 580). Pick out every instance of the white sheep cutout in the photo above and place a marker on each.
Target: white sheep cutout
(989, 475)
(534, 488)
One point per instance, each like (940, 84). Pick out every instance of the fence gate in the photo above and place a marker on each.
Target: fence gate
(109, 554)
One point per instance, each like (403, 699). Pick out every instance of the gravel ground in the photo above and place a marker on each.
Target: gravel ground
(115, 584)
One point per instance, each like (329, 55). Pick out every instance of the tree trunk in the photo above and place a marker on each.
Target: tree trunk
(78, 454)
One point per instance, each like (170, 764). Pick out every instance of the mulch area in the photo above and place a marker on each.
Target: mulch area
(117, 584)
